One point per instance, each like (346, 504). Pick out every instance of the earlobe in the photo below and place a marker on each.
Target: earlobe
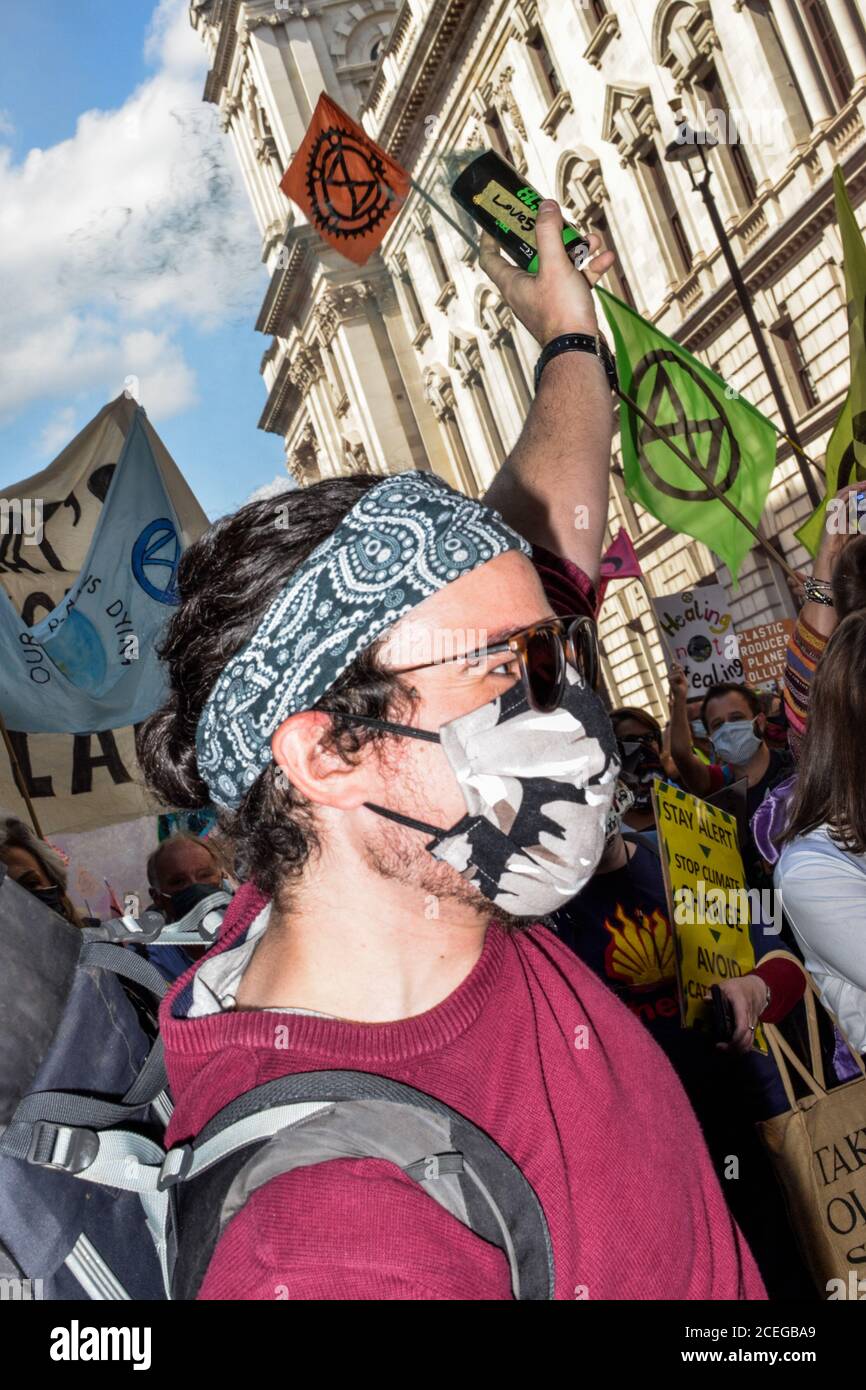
(318, 773)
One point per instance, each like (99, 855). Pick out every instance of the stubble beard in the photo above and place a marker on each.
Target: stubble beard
(397, 853)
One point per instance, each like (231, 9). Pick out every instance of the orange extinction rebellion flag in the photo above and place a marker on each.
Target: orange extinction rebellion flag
(348, 186)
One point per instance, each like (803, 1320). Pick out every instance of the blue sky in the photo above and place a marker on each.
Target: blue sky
(127, 245)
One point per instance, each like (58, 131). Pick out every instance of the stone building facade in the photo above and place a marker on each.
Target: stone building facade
(412, 360)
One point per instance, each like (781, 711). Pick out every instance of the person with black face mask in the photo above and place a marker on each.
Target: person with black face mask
(37, 867)
(639, 742)
(181, 871)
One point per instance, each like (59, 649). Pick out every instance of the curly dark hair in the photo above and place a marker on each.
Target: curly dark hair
(226, 580)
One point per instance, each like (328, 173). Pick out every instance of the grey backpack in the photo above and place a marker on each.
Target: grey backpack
(177, 1204)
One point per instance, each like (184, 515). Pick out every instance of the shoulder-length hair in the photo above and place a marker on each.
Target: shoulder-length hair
(831, 785)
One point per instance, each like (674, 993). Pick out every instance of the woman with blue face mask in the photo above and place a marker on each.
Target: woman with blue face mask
(736, 726)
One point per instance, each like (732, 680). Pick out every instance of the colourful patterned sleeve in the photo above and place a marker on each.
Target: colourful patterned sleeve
(805, 650)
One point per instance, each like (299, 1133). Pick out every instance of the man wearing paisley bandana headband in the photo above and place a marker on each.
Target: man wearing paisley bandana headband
(389, 699)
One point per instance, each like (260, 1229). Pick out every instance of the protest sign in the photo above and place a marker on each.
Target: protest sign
(707, 898)
(76, 781)
(116, 853)
(697, 628)
(762, 651)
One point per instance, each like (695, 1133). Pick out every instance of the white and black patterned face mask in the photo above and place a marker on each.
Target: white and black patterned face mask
(538, 789)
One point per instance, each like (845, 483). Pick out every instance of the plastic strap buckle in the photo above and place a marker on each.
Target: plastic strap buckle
(66, 1148)
(176, 1166)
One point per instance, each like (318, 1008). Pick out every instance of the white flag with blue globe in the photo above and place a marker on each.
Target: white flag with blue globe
(90, 663)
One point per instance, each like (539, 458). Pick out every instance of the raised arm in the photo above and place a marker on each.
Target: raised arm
(694, 774)
(553, 487)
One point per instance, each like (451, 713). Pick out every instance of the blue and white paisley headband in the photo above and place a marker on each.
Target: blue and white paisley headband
(406, 538)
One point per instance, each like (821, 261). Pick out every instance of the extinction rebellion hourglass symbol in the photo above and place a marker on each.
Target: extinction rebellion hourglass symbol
(346, 184)
(667, 389)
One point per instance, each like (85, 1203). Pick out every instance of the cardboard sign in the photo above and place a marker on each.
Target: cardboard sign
(697, 627)
(763, 650)
(708, 902)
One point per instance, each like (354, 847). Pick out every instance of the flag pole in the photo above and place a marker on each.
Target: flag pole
(710, 486)
(19, 779)
(798, 450)
(428, 198)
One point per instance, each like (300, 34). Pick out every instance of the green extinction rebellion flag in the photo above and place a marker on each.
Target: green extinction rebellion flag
(731, 441)
(845, 460)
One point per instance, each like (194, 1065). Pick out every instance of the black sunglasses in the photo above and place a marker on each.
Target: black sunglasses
(542, 652)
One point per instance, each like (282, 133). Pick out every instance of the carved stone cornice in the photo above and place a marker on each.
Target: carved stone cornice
(506, 100)
(629, 121)
(524, 18)
(559, 108)
(604, 34)
(439, 394)
(684, 45)
(355, 456)
(584, 188)
(497, 322)
(466, 361)
(305, 367)
(282, 403)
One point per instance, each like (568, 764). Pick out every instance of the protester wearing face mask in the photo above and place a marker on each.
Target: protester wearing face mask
(620, 927)
(406, 797)
(735, 721)
(178, 871)
(181, 871)
(37, 867)
(639, 743)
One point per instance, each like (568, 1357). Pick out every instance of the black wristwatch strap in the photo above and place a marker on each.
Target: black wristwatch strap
(578, 342)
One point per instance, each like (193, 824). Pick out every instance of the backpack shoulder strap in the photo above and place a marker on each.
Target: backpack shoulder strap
(315, 1117)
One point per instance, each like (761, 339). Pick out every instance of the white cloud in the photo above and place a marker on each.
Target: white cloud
(115, 240)
(58, 432)
(283, 482)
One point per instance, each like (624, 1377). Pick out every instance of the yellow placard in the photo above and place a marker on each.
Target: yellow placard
(708, 900)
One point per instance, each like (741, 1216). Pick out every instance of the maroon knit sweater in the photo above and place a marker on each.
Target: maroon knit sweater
(535, 1050)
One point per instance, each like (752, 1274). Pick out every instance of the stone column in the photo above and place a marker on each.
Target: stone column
(850, 38)
(803, 63)
(372, 379)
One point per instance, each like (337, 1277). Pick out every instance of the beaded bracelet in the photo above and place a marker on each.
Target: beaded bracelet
(819, 591)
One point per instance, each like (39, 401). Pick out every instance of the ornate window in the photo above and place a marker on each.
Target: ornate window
(419, 328)
(496, 320)
(685, 42)
(678, 245)
(794, 364)
(439, 394)
(543, 64)
(732, 149)
(465, 359)
(602, 26)
(581, 191)
(630, 125)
